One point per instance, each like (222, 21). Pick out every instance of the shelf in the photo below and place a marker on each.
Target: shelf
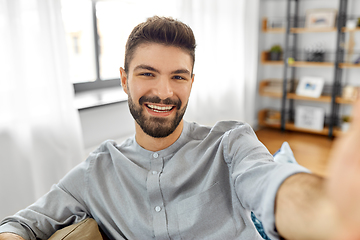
(265, 29)
(312, 30)
(344, 101)
(344, 29)
(294, 58)
(265, 61)
(319, 99)
(291, 126)
(263, 91)
(267, 90)
(349, 65)
(311, 64)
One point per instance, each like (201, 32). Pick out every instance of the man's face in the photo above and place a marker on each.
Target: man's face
(158, 85)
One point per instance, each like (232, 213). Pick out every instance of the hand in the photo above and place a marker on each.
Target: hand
(344, 178)
(10, 236)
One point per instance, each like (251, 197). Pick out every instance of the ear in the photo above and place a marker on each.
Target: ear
(123, 77)
(192, 79)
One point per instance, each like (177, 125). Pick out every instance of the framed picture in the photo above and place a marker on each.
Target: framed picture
(320, 18)
(309, 117)
(310, 87)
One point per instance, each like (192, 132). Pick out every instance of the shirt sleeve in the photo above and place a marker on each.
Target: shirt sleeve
(63, 205)
(256, 176)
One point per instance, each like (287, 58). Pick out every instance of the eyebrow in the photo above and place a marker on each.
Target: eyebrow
(147, 67)
(180, 71)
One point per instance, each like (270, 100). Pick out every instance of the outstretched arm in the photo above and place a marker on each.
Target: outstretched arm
(304, 210)
(344, 184)
(310, 207)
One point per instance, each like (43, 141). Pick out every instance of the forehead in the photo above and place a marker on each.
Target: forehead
(161, 57)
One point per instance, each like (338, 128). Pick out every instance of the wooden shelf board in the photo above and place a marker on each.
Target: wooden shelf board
(312, 30)
(268, 62)
(349, 65)
(311, 64)
(274, 30)
(262, 91)
(344, 101)
(319, 99)
(264, 59)
(292, 127)
(344, 29)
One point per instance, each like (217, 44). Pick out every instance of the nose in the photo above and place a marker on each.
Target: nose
(164, 89)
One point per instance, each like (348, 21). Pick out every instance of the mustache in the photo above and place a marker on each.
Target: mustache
(156, 99)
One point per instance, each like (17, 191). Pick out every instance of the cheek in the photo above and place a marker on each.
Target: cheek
(184, 95)
(137, 90)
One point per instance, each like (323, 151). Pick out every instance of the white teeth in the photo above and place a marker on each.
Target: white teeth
(159, 109)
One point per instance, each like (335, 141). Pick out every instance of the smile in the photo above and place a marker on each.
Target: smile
(159, 109)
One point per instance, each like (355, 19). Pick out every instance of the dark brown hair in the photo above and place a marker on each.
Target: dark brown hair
(163, 30)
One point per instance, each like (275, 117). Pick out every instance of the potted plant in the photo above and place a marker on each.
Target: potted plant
(275, 53)
(358, 22)
(345, 124)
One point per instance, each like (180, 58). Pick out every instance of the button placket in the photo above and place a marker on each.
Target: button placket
(155, 197)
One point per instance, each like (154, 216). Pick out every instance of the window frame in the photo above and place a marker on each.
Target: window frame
(98, 83)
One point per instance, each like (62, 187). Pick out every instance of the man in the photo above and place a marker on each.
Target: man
(180, 180)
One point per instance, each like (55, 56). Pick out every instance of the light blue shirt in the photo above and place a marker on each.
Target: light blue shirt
(203, 186)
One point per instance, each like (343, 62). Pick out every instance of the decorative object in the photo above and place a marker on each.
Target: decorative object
(320, 18)
(310, 87)
(309, 117)
(275, 53)
(345, 123)
(350, 93)
(273, 117)
(315, 53)
(349, 46)
(358, 22)
(291, 60)
(273, 86)
(351, 24)
(275, 23)
(357, 61)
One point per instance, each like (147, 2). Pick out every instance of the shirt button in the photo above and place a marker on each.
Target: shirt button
(154, 172)
(157, 209)
(155, 155)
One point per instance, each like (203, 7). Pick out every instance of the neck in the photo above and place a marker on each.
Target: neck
(157, 144)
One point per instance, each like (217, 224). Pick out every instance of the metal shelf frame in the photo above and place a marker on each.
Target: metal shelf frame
(293, 23)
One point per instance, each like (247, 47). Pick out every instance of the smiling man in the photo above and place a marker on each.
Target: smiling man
(158, 82)
(181, 180)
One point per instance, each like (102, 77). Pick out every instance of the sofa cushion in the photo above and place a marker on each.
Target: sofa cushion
(84, 230)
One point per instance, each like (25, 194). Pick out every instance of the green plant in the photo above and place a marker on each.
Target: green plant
(276, 49)
(345, 118)
(358, 22)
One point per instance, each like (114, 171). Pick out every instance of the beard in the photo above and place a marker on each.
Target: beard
(156, 127)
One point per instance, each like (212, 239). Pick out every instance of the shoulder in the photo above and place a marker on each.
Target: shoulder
(219, 128)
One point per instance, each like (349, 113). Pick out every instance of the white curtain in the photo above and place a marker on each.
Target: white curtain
(226, 59)
(40, 136)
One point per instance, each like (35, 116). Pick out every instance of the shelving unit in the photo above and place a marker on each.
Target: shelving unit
(287, 94)
(325, 98)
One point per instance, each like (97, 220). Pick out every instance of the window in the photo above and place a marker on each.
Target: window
(96, 33)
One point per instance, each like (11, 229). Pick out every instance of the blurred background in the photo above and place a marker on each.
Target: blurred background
(60, 93)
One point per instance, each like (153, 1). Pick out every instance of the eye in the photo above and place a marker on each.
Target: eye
(179, 77)
(147, 74)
